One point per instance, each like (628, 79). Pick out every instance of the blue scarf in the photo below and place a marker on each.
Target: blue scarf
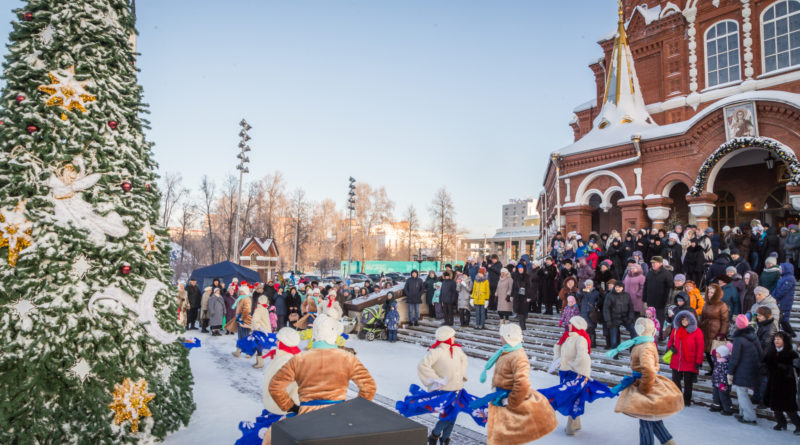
(626, 382)
(241, 297)
(322, 345)
(493, 359)
(627, 344)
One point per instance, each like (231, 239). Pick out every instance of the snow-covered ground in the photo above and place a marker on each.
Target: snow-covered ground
(228, 390)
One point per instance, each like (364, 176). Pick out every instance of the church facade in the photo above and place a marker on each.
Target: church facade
(707, 132)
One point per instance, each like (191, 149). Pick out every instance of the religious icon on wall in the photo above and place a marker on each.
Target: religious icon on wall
(740, 120)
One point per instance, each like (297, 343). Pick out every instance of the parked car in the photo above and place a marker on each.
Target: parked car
(374, 277)
(358, 278)
(332, 279)
(396, 277)
(310, 278)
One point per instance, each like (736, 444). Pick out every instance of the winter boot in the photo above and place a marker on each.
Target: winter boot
(576, 424)
(215, 333)
(259, 362)
(237, 352)
(432, 439)
(570, 429)
(204, 326)
(444, 441)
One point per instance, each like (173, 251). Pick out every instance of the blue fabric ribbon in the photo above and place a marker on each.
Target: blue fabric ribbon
(495, 398)
(192, 343)
(626, 382)
(447, 404)
(256, 341)
(627, 344)
(493, 359)
(323, 345)
(573, 392)
(250, 430)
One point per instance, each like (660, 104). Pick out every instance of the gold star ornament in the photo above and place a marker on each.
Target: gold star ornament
(67, 92)
(130, 402)
(15, 232)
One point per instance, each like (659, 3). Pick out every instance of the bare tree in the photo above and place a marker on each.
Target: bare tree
(187, 218)
(207, 189)
(413, 225)
(227, 210)
(299, 223)
(273, 186)
(443, 215)
(373, 207)
(173, 193)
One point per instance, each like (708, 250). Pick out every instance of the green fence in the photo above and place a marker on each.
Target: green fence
(392, 266)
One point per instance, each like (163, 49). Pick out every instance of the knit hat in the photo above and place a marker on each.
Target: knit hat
(618, 284)
(588, 283)
(730, 269)
(326, 329)
(680, 277)
(570, 300)
(741, 321)
(709, 230)
(511, 333)
(761, 290)
(723, 351)
(735, 251)
(657, 259)
(289, 337)
(673, 236)
(771, 261)
(444, 333)
(578, 322)
(643, 326)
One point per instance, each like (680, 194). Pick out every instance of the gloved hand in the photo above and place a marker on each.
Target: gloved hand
(730, 379)
(294, 409)
(508, 299)
(437, 384)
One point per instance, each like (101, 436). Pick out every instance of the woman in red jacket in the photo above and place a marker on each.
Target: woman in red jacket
(686, 344)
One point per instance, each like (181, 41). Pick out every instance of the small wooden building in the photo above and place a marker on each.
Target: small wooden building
(261, 255)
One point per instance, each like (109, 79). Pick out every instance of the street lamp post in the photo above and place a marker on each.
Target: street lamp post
(243, 160)
(351, 207)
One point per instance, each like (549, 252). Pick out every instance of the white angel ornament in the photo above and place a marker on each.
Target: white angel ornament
(65, 187)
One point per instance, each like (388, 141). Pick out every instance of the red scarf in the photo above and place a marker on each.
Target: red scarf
(580, 332)
(448, 342)
(294, 350)
(331, 300)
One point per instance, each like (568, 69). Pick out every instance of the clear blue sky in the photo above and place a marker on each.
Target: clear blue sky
(412, 95)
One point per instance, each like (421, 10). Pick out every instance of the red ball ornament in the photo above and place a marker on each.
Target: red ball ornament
(32, 128)
(125, 269)
(146, 186)
(127, 186)
(20, 98)
(112, 125)
(28, 16)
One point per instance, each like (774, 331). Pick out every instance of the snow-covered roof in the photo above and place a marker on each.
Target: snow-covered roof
(263, 243)
(586, 105)
(649, 15)
(621, 134)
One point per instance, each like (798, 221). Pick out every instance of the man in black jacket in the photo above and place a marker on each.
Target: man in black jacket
(448, 298)
(657, 287)
(494, 276)
(195, 298)
(413, 291)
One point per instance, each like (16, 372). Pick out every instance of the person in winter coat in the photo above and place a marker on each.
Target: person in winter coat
(493, 275)
(448, 298)
(616, 254)
(618, 311)
(230, 311)
(730, 295)
(634, 286)
(195, 298)
(721, 389)
(657, 287)
(204, 309)
(430, 288)
(650, 396)
(281, 303)
(261, 322)
(686, 342)
(480, 297)
(242, 314)
(413, 290)
(293, 304)
(503, 295)
(589, 299)
(464, 295)
(694, 262)
(548, 275)
(771, 274)
(765, 329)
(784, 291)
(216, 312)
(681, 304)
(570, 287)
(392, 322)
(673, 252)
(743, 368)
(696, 300)
(525, 414)
(521, 294)
(535, 305)
(763, 299)
(571, 309)
(771, 243)
(748, 298)
(718, 267)
(602, 276)
(781, 393)
(584, 271)
(714, 320)
(742, 266)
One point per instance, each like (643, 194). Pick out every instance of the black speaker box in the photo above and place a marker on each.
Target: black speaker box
(354, 422)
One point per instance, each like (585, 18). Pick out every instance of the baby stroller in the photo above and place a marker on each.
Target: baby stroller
(372, 325)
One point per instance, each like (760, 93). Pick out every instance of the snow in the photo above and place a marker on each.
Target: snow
(228, 390)
(586, 105)
(649, 15)
(376, 295)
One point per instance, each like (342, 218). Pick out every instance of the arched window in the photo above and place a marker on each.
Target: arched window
(722, 53)
(253, 259)
(724, 213)
(781, 31)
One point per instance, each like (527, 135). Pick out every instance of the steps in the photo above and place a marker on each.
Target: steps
(543, 332)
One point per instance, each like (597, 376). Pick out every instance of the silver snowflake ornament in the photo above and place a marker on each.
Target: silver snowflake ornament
(81, 369)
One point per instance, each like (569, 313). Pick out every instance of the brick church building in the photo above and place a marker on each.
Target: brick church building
(707, 133)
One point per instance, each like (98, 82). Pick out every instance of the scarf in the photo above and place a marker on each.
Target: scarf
(323, 345)
(627, 344)
(493, 359)
(331, 300)
(241, 297)
(448, 342)
(580, 332)
(294, 350)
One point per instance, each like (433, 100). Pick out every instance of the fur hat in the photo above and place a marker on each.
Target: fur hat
(511, 333)
(482, 271)
(674, 236)
(578, 322)
(741, 321)
(680, 277)
(570, 300)
(657, 259)
(444, 333)
(730, 269)
(723, 351)
(771, 261)
(289, 337)
(643, 326)
(761, 290)
(724, 278)
(326, 329)
(588, 283)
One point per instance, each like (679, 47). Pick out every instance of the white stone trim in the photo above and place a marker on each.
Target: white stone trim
(638, 172)
(581, 195)
(259, 258)
(747, 42)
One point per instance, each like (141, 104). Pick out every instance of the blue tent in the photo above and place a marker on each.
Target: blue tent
(225, 271)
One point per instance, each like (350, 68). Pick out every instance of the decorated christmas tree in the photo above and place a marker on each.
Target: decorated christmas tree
(89, 342)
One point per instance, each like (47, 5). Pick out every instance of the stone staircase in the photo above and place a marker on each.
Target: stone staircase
(543, 332)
